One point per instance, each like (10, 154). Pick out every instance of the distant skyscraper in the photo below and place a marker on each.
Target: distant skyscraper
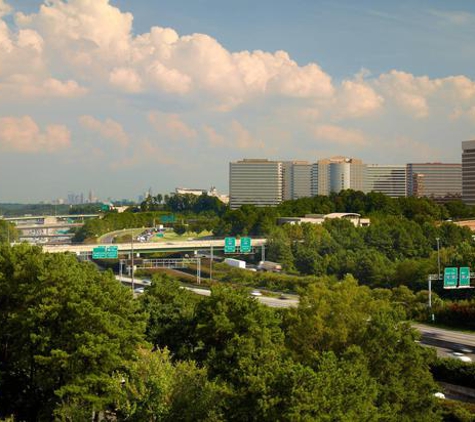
(468, 172)
(255, 182)
(434, 180)
(387, 179)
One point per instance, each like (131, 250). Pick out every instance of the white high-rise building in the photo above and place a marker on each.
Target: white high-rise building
(388, 179)
(256, 182)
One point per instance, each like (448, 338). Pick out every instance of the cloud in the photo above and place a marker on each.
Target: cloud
(339, 135)
(22, 134)
(126, 79)
(171, 125)
(358, 99)
(109, 129)
(454, 17)
(146, 152)
(214, 138)
(25, 86)
(5, 8)
(242, 138)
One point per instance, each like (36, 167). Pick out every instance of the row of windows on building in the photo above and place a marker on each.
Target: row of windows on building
(263, 182)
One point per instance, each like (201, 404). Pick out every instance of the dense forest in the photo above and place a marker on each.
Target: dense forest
(76, 345)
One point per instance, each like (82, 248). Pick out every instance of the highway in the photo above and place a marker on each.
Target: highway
(188, 245)
(288, 302)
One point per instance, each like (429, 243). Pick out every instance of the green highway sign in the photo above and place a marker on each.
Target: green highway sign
(229, 245)
(167, 218)
(450, 278)
(245, 245)
(160, 235)
(105, 252)
(464, 279)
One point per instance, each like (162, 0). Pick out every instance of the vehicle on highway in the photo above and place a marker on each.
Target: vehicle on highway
(462, 357)
(270, 266)
(462, 348)
(439, 395)
(146, 282)
(256, 293)
(139, 290)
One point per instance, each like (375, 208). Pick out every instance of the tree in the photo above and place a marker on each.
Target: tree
(64, 329)
(8, 232)
(171, 312)
(155, 389)
(179, 229)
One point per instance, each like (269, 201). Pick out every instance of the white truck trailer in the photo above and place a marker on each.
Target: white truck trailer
(236, 263)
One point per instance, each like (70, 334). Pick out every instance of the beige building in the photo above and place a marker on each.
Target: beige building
(336, 174)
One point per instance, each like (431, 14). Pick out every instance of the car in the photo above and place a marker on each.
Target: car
(139, 290)
(256, 293)
(462, 357)
(439, 395)
(462, 348)
(146, 282)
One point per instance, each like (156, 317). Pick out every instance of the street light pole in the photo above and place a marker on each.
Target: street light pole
(211, 265)
(132, 262)
(438, 255)
(429, 280)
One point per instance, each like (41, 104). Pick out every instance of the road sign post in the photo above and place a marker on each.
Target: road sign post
(229, 245)
(245, 245)
(451, 277)
(464, 277)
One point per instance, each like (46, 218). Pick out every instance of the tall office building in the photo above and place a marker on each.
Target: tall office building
(336, 174)
(387, 179)
(434, 180)
(297, 176)
(468, 172)
(256, 182)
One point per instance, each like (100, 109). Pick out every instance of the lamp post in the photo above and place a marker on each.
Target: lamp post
(132, 262)
(438, 255)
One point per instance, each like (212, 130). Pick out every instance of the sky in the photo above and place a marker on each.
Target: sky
(119, 96)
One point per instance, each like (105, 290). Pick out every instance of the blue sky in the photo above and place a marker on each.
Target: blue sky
(118, 96)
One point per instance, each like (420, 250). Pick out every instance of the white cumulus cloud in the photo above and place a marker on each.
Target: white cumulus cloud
(109, 129)
(339, 135)
(22, 134)
(171, 125)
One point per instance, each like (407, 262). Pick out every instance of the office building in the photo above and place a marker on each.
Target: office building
(297, 176)
(388, 179)
(256, 182)
(434, 180)
(468, 172)
(336, 174)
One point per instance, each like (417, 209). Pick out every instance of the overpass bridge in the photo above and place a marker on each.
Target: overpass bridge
(36, 227)
(149, 247)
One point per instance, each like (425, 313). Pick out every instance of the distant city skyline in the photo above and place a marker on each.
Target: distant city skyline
(116, 96)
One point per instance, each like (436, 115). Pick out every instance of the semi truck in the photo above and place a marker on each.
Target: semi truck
(270, 266)
(236, 263)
